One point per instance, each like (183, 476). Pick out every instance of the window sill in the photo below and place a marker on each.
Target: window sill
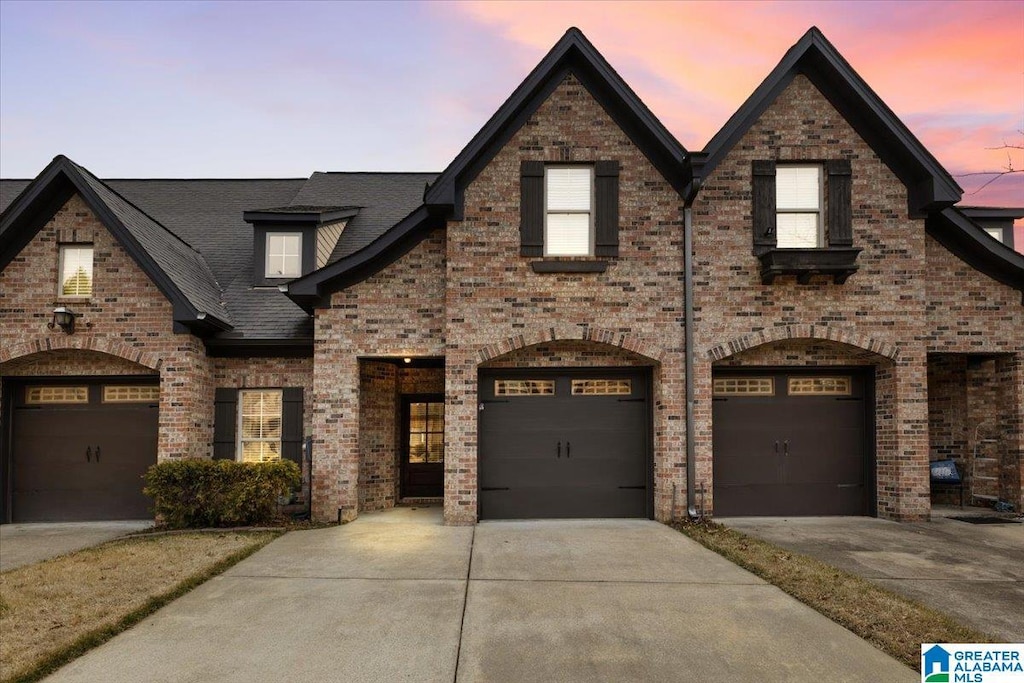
(839, 262)
(569, 266)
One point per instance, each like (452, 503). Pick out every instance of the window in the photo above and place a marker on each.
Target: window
(131, 393)
(426, 432)
(284, 254)
(568, 194)
(75, 271)
(259, 425)
(995, 233)
(602, 387)
(744, 386)
(56, 394)
(819, 386)
(524, 387)
(798, 201)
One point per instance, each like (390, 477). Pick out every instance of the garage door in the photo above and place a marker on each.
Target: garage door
(791, 443)
(564, 444)
(79, 450)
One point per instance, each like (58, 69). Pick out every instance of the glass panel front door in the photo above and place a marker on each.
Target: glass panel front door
(423, 447)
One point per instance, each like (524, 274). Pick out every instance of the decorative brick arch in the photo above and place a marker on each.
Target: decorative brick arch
(81, 343)
(624, 340)
(821, 332)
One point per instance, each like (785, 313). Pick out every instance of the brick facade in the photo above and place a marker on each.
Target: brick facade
(125, 328)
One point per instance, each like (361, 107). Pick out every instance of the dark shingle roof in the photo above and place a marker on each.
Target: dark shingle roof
(383, 198)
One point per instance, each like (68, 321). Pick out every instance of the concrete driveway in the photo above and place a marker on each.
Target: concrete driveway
(396, 596)
(973, 572)
(22, 544)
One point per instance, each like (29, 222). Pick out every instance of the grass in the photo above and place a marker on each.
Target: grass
(893, 623)
(55, 611)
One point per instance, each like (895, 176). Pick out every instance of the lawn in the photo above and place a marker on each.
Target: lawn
(893, 623)
(56, 610)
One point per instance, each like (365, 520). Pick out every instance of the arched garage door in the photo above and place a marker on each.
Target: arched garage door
(79, 448)
(791, 442)
(564, 443)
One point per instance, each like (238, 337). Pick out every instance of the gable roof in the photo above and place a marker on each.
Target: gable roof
(929, 185)
(177, 269)
(573, 53)
(961, 235)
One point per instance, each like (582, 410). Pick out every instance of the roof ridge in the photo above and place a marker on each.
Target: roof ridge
(200, 180)
(377, 172)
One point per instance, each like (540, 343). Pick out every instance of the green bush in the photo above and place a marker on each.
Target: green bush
(219, 493)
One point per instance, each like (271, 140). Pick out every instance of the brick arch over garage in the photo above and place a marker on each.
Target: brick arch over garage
(69, 342)
(798, 332)
(624, 340)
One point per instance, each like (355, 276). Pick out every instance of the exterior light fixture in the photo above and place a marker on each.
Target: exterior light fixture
(407, 360)
(63, 318)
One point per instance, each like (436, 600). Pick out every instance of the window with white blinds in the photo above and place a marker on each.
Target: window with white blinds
(75, 271)
(798, 202)
(259, 425)
(569, 192)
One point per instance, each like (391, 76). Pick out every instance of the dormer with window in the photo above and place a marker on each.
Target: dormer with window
(803, 219)
(293, 241)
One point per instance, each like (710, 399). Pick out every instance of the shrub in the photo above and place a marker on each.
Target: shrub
(218, 493)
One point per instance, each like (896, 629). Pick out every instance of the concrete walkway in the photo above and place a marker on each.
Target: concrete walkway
(973, 572)
(22, 544)
(396, 596)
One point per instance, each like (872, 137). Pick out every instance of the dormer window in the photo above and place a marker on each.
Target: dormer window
(284, 255)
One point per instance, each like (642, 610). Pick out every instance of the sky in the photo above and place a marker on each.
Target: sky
(282, 89)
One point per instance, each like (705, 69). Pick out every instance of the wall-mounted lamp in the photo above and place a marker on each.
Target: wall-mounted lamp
(64, 319)
(407, 360)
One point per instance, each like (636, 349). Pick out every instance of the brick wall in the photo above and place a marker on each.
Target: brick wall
(496, 303)
(378, 435)
(398, 312)
(880, 309)
(125, 328)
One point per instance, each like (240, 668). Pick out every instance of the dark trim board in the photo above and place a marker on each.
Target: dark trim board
(550, 483)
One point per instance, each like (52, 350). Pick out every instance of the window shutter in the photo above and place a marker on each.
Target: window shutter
(531, 227)
(840, 209)
(606, 207)
(225, 423)
(763, 192)
(291, 424)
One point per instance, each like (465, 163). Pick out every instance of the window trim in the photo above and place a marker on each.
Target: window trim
(81, 246)
(818, 212)
(591, 230)
(270, 234)
(240, 439)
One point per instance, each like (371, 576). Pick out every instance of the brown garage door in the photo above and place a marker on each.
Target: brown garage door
(79, 449)
(564, 443)
(791, 443)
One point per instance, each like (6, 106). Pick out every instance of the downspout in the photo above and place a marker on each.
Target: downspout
(691, 508)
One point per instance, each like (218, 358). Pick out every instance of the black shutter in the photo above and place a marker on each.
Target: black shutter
(763, 192)
(225, 423)
(291, 424)
(840, 209)
(606, 207)
(531, 227)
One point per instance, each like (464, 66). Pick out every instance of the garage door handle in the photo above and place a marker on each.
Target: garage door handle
(776, 448)
(559, 451)
(97, 454)
(568, 449)
(88, 453)
(785, 446)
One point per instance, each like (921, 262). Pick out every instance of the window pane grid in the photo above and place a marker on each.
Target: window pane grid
(820, 386)
(602, 387)
(744, 386)
(130, 394)
(76, 271)
(260, 425)
(49, 395)
(524, 387)
(798, 207)
(426, 432)
(568, 207)
(284, 255)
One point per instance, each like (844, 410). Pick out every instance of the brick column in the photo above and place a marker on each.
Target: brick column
(460, 436)
(902, 484)
(335, 433)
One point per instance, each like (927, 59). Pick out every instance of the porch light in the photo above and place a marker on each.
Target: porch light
(63, 318)
(407, 360)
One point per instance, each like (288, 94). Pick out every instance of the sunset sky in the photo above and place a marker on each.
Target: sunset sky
(205, 89)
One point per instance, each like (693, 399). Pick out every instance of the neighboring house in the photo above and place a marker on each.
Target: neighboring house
(509, 336)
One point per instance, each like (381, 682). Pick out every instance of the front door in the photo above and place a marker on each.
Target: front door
(423, 446)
